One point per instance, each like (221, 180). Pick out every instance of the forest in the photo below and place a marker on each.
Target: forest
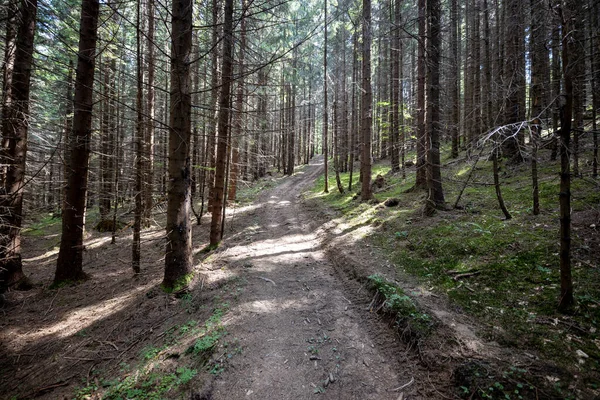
(270, 199)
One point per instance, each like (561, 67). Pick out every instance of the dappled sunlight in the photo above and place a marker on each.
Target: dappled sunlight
(294, 243)
(97, 242)
(79, 319)
(47, 254)
(264, 306)
(244, 209)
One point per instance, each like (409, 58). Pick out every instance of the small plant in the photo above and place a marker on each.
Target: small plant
(187, 327)
(150, 352)
(149, 386)
(319, 390)
(81, 333)
(401, 235)
(205, 344)
(397, 303)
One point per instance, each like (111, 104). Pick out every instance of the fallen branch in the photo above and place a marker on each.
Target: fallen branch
(466, 275)
(457, 272)
(267, 280)
(405, 385)
(60, 383)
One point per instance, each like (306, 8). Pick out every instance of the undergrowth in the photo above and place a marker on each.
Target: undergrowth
(505, 272)
(167, 365)
(412, 323)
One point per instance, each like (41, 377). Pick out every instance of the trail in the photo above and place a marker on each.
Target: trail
(302, 331)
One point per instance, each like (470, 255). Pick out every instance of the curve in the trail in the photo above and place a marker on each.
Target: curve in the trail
(300, 332)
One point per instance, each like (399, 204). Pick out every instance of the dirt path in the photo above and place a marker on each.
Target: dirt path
(301, 330)
(300, 322)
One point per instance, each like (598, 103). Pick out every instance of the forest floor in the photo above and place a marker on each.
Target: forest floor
(293, 305)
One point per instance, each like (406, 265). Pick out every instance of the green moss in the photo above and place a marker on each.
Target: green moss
(408, 317)
(48, 223)
(151, 386)
(181, 284)
(516, 284)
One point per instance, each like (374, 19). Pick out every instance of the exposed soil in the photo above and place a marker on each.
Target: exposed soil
(300, 312)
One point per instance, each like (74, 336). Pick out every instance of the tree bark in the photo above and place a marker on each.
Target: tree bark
(8, 66)
(138, 190)
(539, 67)
(11, 199)
(421, 180)
(69, 266)
(106, 156)
(395, 86)
(454, 78)
(595, 43)
(514, 75)
(556, 89)
(214, 102)
(353, 105)
(566, 299)
(497, 183)
(178, 254)
(149, 126)
(216, 233)
(325, 108)
(577, 59)
(435, 198)
(366, 106)
(239, 111)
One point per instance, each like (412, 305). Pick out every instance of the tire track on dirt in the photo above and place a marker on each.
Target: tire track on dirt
(302, 332)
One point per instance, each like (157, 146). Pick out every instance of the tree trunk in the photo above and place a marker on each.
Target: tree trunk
(343, 156)
(106, 156)
(473, 134)
(7, 72)
(239, 111)
(139, 144)
(595, 43)
(556, 89)
(69, 266)
(539, 67)
(566, 299)
(178, 254)
(292, 120)
(353, 125)
(577, 59)
(497, 183)
(395, 92)
(454, 78)
(325, 106)
(435, 198)
(214, 100)
(216, 233)
(116, 129)
(366, 106)
(421, 180)
(514, 75)
(67, 133)
(148, 174)
(11, 200)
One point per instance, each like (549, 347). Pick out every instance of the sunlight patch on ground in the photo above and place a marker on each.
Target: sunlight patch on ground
(245, 209)
(93, 244)
(259, 307)
(79, 319)
(350, 231)
(47, 254)
(267, 306)
(272, 247)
